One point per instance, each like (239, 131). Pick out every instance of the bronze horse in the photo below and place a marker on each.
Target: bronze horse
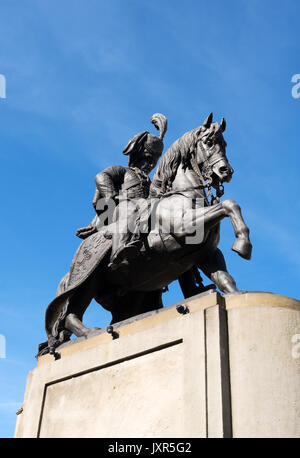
(195, 164)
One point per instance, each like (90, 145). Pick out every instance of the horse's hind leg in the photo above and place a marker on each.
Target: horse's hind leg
(78, 304)
(74, 324)
(191, 283)
(214, 267)
(134, 303)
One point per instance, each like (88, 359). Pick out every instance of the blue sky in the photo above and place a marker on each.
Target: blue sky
(82, 78)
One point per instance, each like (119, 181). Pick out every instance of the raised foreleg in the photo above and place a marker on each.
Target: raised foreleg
(210, 216)
(242, 244)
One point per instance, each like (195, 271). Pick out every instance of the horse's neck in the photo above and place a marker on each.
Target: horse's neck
(186, 180)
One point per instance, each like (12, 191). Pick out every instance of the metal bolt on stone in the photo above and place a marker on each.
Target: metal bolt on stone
(182, 309)
(54, 353)
(110, 330)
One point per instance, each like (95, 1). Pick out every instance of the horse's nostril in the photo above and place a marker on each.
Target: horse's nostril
(223, 169)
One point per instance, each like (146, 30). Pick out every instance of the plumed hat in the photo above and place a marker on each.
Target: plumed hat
(153, 144)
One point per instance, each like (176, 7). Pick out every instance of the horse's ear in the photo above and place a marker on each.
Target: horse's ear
(208, 121)
(223, 124)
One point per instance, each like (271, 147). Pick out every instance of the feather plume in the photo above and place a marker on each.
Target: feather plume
(161, 123)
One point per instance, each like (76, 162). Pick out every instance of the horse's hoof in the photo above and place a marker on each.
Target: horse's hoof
(92, 332)
(243, 247)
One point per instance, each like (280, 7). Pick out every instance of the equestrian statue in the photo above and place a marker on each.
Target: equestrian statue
(146, 235)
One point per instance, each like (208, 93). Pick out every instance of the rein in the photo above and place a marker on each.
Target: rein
(206, 180)
(181, 191)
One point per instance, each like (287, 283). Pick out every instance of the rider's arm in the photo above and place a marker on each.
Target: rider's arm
(108, 182)
(96, 197)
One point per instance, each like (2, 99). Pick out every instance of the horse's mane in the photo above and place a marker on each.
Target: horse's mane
(178, 153)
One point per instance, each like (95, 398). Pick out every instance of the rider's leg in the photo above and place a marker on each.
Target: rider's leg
(125, 235)
(214, 267)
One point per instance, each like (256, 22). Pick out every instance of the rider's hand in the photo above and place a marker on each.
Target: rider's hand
(84, 232)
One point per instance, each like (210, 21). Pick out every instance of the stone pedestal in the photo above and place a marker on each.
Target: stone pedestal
(228, 368)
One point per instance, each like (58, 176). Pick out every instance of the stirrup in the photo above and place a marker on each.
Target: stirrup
(126, 253)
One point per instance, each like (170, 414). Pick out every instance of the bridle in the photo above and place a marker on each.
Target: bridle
(206, 176)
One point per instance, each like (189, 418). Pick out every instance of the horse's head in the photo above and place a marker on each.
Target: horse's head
(210, 152)
(203, 148)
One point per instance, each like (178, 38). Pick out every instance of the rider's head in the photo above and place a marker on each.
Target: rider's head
(145, 149)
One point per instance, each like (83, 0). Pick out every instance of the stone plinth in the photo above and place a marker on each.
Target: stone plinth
(264, 365)
(229, 367)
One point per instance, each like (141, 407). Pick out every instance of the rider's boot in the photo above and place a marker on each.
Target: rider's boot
(125, 254)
